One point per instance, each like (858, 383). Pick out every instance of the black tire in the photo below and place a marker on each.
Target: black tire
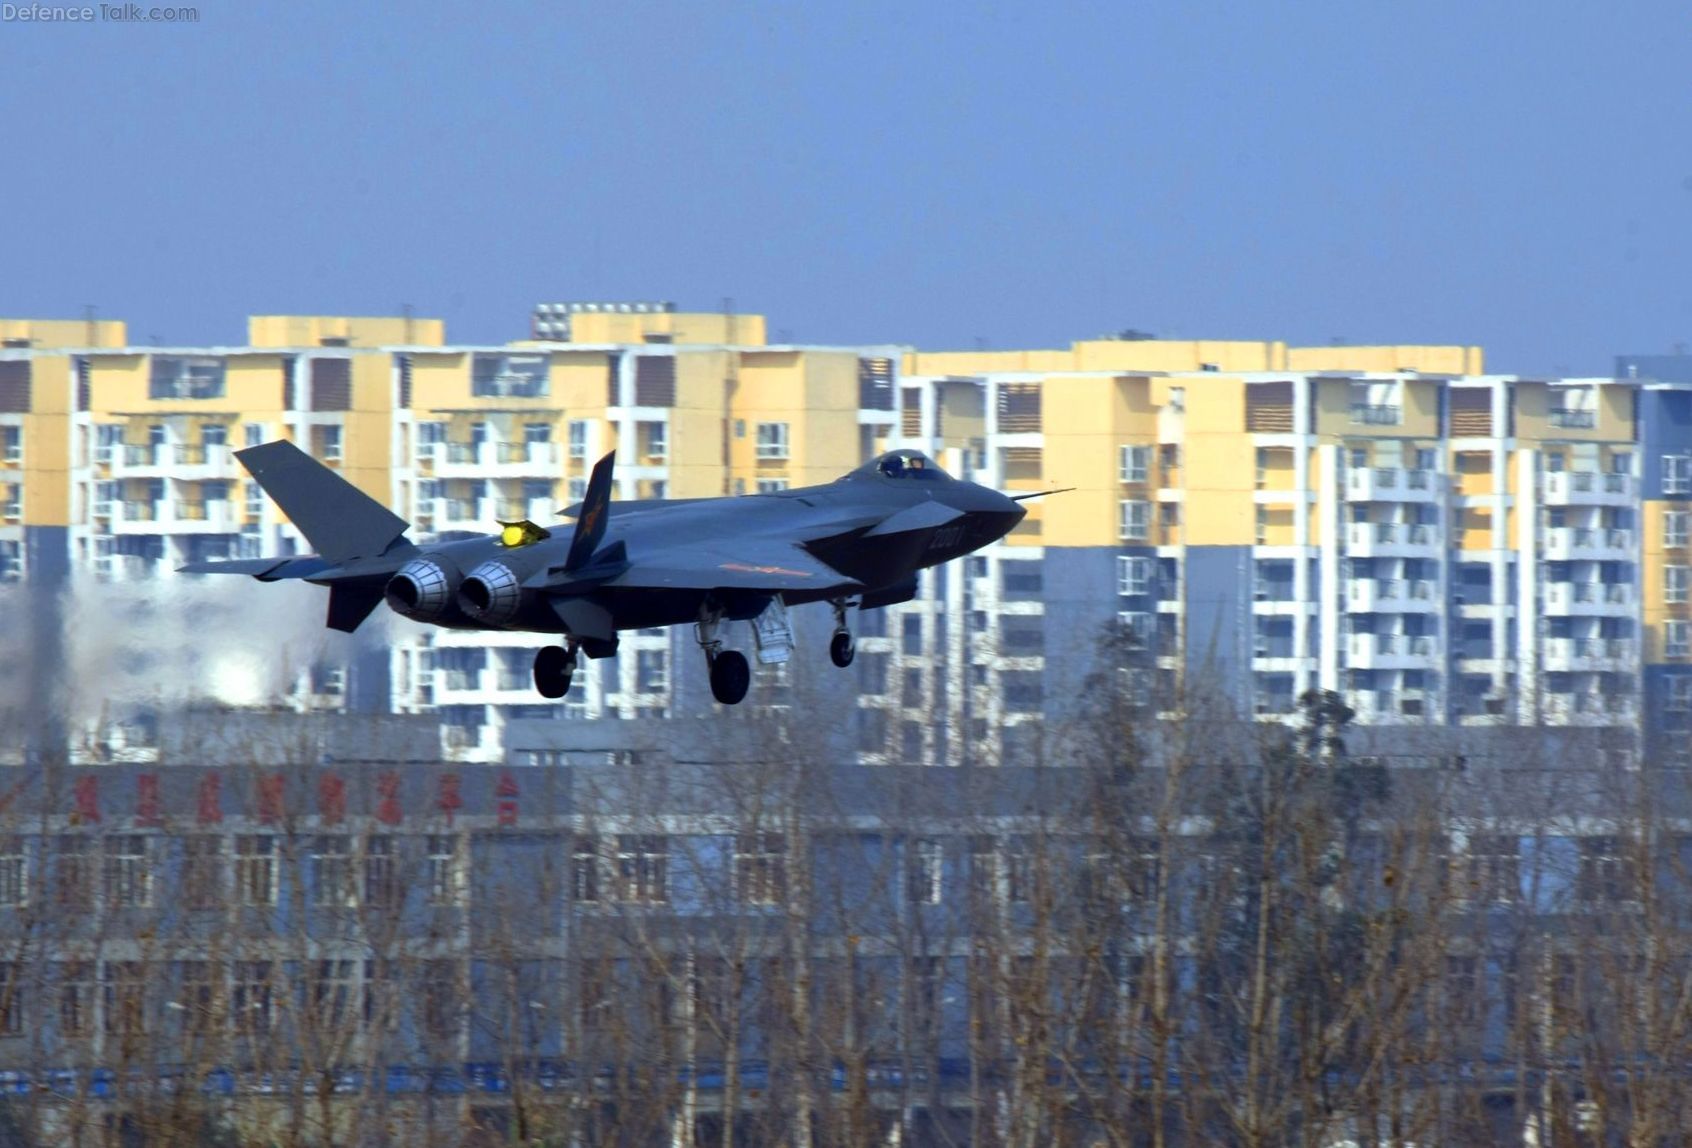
(554, 667)
(841, 649)
(730, 677)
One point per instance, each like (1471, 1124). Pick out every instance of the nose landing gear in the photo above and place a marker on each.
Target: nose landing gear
(730, 673)
(555, 666)
(841, 648)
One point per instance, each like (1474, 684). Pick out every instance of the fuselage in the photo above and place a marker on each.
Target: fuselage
(832, 522)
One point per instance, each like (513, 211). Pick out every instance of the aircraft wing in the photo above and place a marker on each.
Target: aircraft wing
(757, 565)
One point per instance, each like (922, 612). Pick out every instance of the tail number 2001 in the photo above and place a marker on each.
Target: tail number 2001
(946, 536)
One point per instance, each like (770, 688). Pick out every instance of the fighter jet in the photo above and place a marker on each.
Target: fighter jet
(857, 542)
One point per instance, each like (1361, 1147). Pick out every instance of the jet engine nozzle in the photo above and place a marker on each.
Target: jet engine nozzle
(491, 594)
(421, 589)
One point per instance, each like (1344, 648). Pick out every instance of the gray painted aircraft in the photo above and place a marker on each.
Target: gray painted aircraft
(856, 542)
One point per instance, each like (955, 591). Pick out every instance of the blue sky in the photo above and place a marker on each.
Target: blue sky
(1023, 175)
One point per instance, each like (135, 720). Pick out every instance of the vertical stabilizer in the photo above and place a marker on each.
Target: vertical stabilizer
(590, 525)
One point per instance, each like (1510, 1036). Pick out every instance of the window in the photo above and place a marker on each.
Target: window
(772, 440)
(11, 1000)
(381, 873)
(1677, 474)
(328, 442)
(252, 1002)
(643, 863)
(1136, 628)
(76, 998)
(1493, 869)
(74, 861)
(1679, 693)
(1376, 403)
(200, 1006)
(1675, 527)
(578, 438)
(1136, 520)
(1676, 581)
(202, 872)
(128, 872)
(1133, 576)
(772, 485)
(1133, 463)
(651, 671)
(760, 868)
(584, 870)
(497, 375)
(1605, 876)
(1575, 407)
(123, 990)
(332, 862)
(927, 871)
(657, 440)
(14, 873)
(1677, 638)
(911, 640)
(446, 872)
(11, 445)
(440, 998)
(185, 378)
(983, 868)
(334, 994)
(255, 870)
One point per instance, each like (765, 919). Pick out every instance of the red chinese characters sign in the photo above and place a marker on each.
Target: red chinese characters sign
(506, 805)
(149, 813)
(449, 800)
(85, 798)
(331, 798)
(210, 799)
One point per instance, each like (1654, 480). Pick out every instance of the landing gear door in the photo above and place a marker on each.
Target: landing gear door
(773, 633)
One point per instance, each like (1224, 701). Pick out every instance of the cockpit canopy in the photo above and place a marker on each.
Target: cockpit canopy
(903, 466)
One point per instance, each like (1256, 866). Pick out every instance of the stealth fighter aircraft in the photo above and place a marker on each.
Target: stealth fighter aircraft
(857, 542)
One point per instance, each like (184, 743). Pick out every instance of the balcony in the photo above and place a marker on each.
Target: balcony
(458, 513)
(1589, 708)
(1392, 595)
(1393, 652)
(1589, 488)
(1588, 599)
(1590, 655)
(1375, 414)
(1392, 484)
(1392, 540)
(1588, 544)
(193, 516)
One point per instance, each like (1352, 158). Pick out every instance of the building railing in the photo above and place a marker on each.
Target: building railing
(1393, 645)
(1574, 420)
(1590, 649)
(1375, 414)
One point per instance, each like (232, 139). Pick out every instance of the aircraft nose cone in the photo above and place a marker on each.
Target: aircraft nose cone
(996, 514)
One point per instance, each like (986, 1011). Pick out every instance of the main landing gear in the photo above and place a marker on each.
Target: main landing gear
(731, 675)
(554, 667)
(841, 647)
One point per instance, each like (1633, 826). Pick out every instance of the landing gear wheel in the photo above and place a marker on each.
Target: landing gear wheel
(554, 667)
(841, 649)
(730, 677)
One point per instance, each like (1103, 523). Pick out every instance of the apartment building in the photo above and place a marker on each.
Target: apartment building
(1438, 544)
(121, 464)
